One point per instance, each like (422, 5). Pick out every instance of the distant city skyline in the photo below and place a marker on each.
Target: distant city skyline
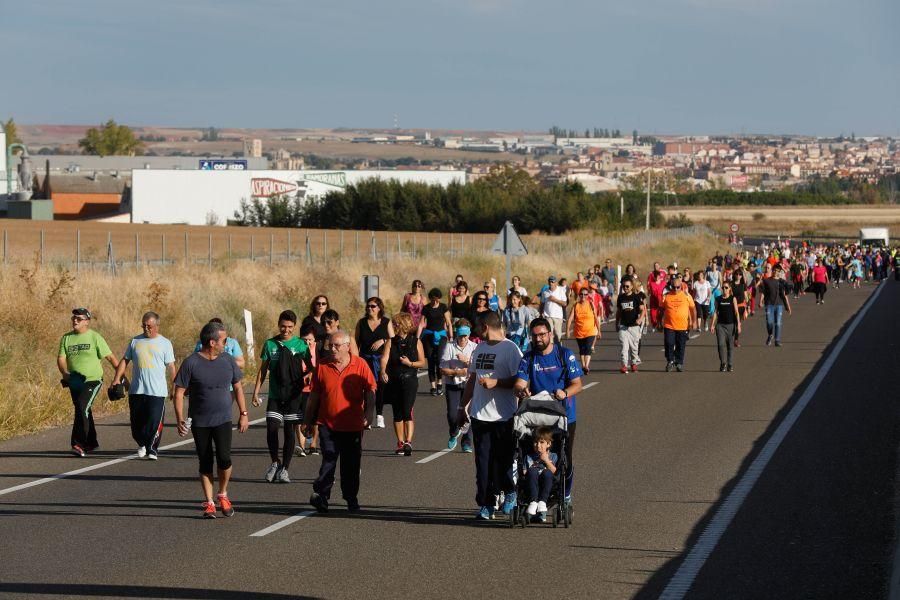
(658, 66)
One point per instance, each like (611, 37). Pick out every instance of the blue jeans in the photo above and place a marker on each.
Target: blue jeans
(773, 320)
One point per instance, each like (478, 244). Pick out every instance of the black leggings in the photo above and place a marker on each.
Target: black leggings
(433, 353)
(204, 440)
(401, 392)
(820, 288)
(272, 427)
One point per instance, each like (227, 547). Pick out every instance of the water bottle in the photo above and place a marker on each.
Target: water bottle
(187, 423)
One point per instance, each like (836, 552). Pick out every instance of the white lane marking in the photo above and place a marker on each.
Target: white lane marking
(422, 374)
(683, 579)
(440, 453)
(102, 465)
(283, 523)
(431, 457)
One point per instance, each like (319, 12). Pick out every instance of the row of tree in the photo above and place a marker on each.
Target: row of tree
(596, 132)
(484, 205)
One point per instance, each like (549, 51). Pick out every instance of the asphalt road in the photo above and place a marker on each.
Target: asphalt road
(657, 454)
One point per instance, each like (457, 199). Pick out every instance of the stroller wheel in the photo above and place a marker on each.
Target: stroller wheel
(571, 513)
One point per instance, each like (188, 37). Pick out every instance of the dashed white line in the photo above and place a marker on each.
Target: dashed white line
(684, 578)
(589, 385)
(94, 467)
(283, 523)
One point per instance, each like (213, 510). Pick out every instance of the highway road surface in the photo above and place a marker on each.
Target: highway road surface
(775, 481)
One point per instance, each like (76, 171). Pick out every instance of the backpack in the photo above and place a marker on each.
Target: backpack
(290, 370)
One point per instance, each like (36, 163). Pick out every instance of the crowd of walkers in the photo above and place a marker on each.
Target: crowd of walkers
(482, 353)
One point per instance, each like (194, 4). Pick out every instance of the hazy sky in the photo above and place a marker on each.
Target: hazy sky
(666, 66)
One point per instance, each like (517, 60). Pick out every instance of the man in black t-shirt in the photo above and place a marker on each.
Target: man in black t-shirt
(774, 296)
(630, 315)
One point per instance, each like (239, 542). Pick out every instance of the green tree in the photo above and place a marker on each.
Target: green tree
(111, 139)
(12, 134)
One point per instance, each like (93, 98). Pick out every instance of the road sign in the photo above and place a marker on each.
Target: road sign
(509, 244)
(734, 228)
(222, 165)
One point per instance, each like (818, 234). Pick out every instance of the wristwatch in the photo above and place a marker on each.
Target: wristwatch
(244, 413)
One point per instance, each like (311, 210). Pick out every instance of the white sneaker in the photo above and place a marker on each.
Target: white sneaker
(532, 508)
(379, 421)
(542, 507)
(142, 452)
(270, 473)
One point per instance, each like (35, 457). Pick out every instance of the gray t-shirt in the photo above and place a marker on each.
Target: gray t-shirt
(149, 358)
(208, 383)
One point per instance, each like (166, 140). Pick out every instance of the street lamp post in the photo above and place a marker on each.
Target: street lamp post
(647, 225)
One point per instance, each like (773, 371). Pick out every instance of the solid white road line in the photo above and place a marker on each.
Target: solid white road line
(94, 467)
(683, 579)
(283, 523)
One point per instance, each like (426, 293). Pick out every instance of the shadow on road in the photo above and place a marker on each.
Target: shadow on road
(70, 590)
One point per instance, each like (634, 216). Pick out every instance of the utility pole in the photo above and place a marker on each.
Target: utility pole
(647, 226)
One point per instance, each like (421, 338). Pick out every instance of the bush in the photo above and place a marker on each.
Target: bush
(679, 221)
(759, 217)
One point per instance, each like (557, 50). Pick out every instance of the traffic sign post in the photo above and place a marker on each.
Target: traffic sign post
(509, 244)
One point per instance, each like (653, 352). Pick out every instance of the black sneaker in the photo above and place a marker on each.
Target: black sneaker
(407, 449)
(722, 367)
(731, 368)
(318, 502)
(314, 451)
(669, 366)
(679, 367)
(440, 390)
(353, 506)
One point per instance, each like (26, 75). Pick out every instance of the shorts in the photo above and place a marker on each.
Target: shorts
(286, 411)
(586, 345)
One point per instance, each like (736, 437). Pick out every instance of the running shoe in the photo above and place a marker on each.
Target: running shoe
(142, 452)
(314, 451)
(731, 368)
(78, 451)
(509, 503)
(353, 506)
(271, 472)
(407, 448)
(634, 368)
(299, 451)
(399, 449)
(737, 344)
(433, 392)
(209, 510)
(769, 341)
(440, 389)
(152, 455)
(623, 369)
(669, 366)
(485, 514)
(282, 476)
(225, 505)
(679, 367)
(451, 443)
(722, 367)
(319, 502)
(379, 422)
(467, 448)
(541, 517)
(777, 343)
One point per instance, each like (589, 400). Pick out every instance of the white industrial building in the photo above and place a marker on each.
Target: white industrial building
(212, 197)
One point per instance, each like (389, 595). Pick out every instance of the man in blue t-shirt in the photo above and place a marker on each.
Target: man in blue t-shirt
(153, 366)
(554, 369)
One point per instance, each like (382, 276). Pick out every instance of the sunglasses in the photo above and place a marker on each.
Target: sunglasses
(79, 319)
(321, 304)
(373, 306)
(418, 285)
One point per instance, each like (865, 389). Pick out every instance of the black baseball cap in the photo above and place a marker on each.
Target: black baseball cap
(81, 312)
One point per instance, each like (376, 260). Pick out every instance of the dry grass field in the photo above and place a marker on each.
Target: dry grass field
(37, 302)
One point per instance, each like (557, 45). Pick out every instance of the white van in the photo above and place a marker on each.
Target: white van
(874, 235)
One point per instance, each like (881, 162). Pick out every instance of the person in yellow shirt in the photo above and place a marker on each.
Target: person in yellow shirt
(679, 315)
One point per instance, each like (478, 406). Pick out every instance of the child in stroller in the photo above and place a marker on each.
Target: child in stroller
(541, 428)
(540, 468)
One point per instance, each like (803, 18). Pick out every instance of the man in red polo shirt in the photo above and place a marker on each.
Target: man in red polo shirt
(341, 402)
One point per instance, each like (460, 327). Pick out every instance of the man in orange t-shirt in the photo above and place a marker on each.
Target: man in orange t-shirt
(679, 315)
(341, 402)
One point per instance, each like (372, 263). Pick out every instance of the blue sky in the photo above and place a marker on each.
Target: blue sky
(664, 66)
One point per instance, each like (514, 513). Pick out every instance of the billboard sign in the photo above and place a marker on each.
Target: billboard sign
(222, 165)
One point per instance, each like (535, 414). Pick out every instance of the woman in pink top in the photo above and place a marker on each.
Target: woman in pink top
(414, 302)
(820, 281)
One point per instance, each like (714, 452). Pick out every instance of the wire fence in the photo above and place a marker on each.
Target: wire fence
(90, 247)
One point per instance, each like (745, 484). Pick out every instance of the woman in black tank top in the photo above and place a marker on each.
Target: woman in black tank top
(371, 334)
(402, 358)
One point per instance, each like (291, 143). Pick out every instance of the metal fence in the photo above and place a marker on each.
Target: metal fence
(94, 249)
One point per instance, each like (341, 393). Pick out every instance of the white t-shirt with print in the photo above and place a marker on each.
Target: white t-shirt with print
(450, 360)
(552, 309)
(497, 360)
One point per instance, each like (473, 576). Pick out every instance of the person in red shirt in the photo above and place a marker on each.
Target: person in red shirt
(656, 288)
(341, 402)
(820, 281)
